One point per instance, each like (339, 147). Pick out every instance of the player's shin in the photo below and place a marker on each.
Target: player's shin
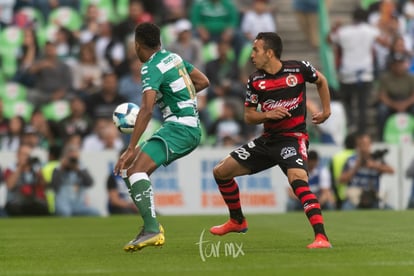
(231, 195)
(311, 206)
(143, 196)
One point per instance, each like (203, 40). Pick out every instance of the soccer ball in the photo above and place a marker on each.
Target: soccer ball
(124, 117)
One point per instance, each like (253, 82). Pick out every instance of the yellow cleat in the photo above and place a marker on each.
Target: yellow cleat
(144, 239)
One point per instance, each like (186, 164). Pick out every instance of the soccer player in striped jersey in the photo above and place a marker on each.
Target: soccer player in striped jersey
(279, 88)
(172, 83)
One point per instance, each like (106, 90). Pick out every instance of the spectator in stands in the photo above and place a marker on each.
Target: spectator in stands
(110, 51)
(119, 199)
(78, 121)
(336, 166)
(362, 172)
(70, 181)
(45, 130)
(223, 74)
(356, 72)
(103, 103)
(6, 12)
(90, 27)
(391, 25)
(46, 173)
(408, 13)
(75, 140)
(396, 90)
(30, 137)
(319, 183)
(409, 173)
(186, 45)
(173, 10)
(137, 14)
(53, 78)
(307, 16)
(25, 195)
(229, 129)
(216, 20)
(46, 7)
(104, 137)
(257, 19)
(399, 46)
(11, 142)
(87, 72)
(67, 46)
(28, 53)
(4, 122)
(333, 130)
(130, 85)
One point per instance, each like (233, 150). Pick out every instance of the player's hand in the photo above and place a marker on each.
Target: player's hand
(278, 113)
(319, 117)
(124, 161)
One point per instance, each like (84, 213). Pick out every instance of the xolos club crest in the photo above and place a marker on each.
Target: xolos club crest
(291, 80)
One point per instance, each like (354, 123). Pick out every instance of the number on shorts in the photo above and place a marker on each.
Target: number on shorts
(242, 153)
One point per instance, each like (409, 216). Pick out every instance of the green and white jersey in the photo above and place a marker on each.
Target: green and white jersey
(168, 74)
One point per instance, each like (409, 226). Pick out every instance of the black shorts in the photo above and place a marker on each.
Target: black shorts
(263, 153)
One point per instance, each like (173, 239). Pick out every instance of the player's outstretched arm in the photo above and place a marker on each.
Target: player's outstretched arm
(323, 91)
(199, 80)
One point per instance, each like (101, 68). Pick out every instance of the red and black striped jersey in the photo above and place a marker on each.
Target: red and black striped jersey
(286, 88)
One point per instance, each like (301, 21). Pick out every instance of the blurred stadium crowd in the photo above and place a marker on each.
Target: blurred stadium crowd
(66, 64)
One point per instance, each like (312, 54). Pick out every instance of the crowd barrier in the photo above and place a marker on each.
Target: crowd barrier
(187, 186)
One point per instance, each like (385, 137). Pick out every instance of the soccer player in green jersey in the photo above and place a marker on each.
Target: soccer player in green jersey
(172, 83)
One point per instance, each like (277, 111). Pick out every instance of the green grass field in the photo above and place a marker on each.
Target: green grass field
(365, 243)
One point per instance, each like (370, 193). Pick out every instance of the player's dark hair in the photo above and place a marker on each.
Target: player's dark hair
(148, 34)
(271, 41)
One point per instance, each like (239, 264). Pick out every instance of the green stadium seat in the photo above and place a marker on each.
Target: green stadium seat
(366, 3)
(13, 92)
(167, 34)
(399, 129)
(66, 17)
(214, 108)
(46, 33)
(122, 9)
(56, 111)
(245, 55)
(209, 52)
(33, 14)
(11, 38)
(18, 108)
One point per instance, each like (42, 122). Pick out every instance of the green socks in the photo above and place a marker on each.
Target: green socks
(143, 197)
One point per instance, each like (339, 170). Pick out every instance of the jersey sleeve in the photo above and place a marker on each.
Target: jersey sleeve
(309, 72)
(252, 97)
(188, 66)
(151, 78)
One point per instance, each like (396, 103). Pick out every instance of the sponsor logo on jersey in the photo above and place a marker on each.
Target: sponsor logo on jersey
(291, 70)
(287, 152)
(289, 104)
